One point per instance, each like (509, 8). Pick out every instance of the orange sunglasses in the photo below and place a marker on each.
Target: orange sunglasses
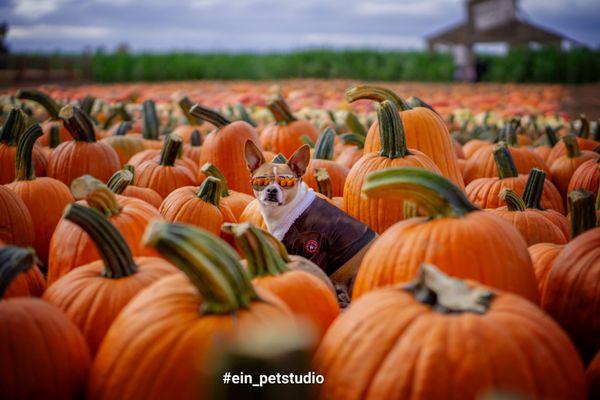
(259, 183)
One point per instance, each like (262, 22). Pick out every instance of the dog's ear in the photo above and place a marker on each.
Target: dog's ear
(299, 160)
(254, 157)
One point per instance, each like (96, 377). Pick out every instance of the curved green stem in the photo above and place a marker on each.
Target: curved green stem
(210, 264)
(514, 202)
(14, 125)
(534, 189)
(375, 93)
(324, 185)
(25, 170)
(415, 102)
(123, 128)
(170, 150)
(13, 261)
(186, 104)
(150, 121)
(391, 131)
(96, 194)
(279, 159)
(195, 138)
(353, 139)
(209, 169)
(354, 125)
(504, 161)
(210, 191)
(440, 197)
(112, 247)
(582, 211)
(280, 110)
(212, 116)
(571, 146)
(324, 145)
(54, 136)
(120, 180)
(47, 102)
(78, 123)
(244, 116)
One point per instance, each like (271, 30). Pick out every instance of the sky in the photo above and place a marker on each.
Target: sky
(260, 25)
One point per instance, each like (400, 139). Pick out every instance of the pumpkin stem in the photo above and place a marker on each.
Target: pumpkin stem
(209, 169)
(150, 121)
(261, 258)
(54, 136)
(25, 170)
(308, 141)
(244, 116)
(514, 202)
(212, 116)
(47, 102)
(596, 132)
(281, 110)
(534, 189)
(571, 146)
(195, 138)
(354, 124)
(415, 102)
(210, 264)
(504, 161)
(123, 128)
(508, 134)
(78, 123)
(97, 195)
(324, 145)
(120, 180)
(186, 104)
(410, 209)
(170, 150)
(324, 185)
(87, 104)
(447, 295)
(551, 136)
(14, 125)
(391, 131)
(353, 139)
(13, 261)
(581, 211)
(112, 247)
(584, 127)
(375, 93)
(210, 191)
(279, 159)
(440, 197)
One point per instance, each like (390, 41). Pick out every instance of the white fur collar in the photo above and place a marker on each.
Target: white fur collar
(280, 219)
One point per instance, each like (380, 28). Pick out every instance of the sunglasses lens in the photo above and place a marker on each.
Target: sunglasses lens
(260, 183)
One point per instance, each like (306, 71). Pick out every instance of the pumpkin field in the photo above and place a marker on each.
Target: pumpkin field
(137, 263)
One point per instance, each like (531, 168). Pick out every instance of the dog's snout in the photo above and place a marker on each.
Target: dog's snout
(271, 190)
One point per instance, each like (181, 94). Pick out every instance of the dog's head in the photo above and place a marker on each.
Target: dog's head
(276, 184)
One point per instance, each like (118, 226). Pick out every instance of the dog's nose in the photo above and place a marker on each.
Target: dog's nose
(271, 190)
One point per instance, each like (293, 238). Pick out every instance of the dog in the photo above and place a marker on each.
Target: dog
(306, 224)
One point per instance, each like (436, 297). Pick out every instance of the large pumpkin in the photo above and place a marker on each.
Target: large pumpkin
(564, 167)
(442, 338)
(381, 214)
(22, 264)
(424, 129)
(586, 176)
(235, 201)
(92, 295)
(224, 147)
(322, 157)
(182, 319)
(456, 236)
(16, 225)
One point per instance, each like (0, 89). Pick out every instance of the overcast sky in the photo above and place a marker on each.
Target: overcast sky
(260, 25)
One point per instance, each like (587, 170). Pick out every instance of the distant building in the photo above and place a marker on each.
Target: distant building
(490, 21)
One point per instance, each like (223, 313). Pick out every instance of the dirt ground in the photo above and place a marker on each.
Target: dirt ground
(586, 99)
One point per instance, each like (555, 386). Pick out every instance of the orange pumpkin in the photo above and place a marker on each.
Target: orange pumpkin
(456, 236)
(193, 150)
(125, 145)
(194, 124)
(586, 176)
(52, 109)
(592, 376)
(322, 157)
(564, 167)
(583, 142)
(20, 273)
(325, 188)
(253, 215)
(353, 151)
(542, 256)
(472, 146)
(122, 183)
(16, 225)
(235, 201)
(533, 195)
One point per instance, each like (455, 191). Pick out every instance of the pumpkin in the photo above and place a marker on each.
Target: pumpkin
(534, 226)
(253, 215)
(183, 318)
(125, 145)
(110, 282)
(284, 135)
(224, 147)
(44, 197)
(235, 201)
(84, 155)
(322, 157)
(564, 167)
(198, 206)
(544, 150)
(194, 148)
(533, 195)
(194, 123)
(122, 183)
(353, 151)
(381, 214)
(439, 337)
(424, 130)
(27, 278)
(542, 256)
(71, 246)
(16, 224)
(462, 240)
(592, 377)
(305, 294)
(586, 176)
(165, 174)
(583, 142)
(472, 146)
(39, 340)
(12, 130)
(52, 109)
(325, 188)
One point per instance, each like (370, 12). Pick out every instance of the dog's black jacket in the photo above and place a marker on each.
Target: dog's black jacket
(327, 236)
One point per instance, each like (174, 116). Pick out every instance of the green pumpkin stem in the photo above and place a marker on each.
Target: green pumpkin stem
(534, 189)
(514, 202)
(123, 128)
(47, 102)
(112, 247)
(353, 139)
(279, 159)
(375, 93)
(210, 264)
(582, 211)
(324, 145)
(436, 194)
(212, 116)
(54, 136)
(571, 146)
(391, 131)
(170, 150)
(186, 104)
(504, 161)
(119, 181)
(324, 185)
(13, 261)
(13, 127)
(210, 191)
(25, 170)
(551, 136)
(281, 111)
(415, 102)
(508, 134)
(244, 116)
(354, 125)
(78, 123)
(96, 194)
(209, 169)
(150, 121)
(195, 138)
